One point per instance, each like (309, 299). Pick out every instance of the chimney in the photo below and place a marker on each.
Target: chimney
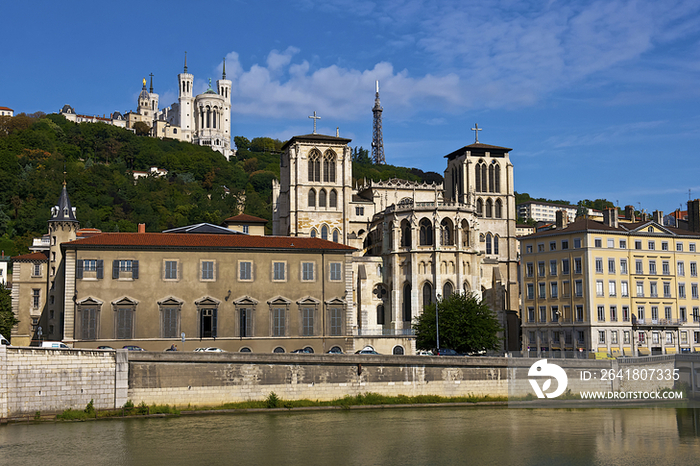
(658, 217)
(562, 219)
(629, 213)
(142, 228)
(694, 215)
(610, 217)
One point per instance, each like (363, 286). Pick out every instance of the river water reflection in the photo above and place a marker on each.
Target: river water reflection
(432, 436)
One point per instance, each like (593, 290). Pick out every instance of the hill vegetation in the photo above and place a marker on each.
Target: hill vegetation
(38, 152)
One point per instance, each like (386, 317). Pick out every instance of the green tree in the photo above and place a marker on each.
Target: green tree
(466, 325)
(7, 318)
(141, 128)
(241, 142)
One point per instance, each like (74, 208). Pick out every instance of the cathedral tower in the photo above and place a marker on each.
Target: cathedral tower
(224, 87)
(185, 100)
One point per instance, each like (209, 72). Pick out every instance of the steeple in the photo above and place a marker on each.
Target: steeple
(185, 62)
(63, 211)
(151, 90)
(224, 76)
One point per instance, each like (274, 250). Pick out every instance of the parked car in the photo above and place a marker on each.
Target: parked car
(105, 347)
(53, 344)
(306, 350)
(133, 348)
(366, 350)
(4, 341)
(335, 350)
(424, 353)
(209, 349)
(446, 352)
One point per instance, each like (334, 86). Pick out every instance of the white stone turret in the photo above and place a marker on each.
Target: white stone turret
(186, 103)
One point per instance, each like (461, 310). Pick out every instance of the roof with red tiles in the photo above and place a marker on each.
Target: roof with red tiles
(245, 218)
(204, 241)
(32, 257)
(6, 108)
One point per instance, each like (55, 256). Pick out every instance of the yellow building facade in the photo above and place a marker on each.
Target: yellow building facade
(613, 288)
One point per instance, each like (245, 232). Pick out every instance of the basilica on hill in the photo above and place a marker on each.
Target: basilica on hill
(203, 119)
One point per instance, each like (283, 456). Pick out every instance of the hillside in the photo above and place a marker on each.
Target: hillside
(98, 161)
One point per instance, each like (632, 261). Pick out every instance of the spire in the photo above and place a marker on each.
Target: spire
(377, 138)
(63, 211)
(151, 75)
(224, 76)
(185, 61)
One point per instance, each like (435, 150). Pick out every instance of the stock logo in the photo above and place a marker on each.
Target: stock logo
(541, 369)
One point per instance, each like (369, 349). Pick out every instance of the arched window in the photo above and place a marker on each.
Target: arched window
(498, 209)
(447, 290)
(335, 236)
(397, 351)
(322, 198)
(497, 178)
(407, 302)
(484, 186)
(380, 314)
(279, 349)
(447, 233)
(314, 166)
(465, 233)
(491, 179)
(488, 243)
(479, 207)
(333, 199)
(405, 234)
(324, 232)
(495, 244)
(329, 166)
(427, 294)
(426, 232)
(312, 198)
(477, 177)
(489, 208)
(313, 232)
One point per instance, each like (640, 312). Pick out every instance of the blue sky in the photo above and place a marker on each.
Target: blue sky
(598, 99)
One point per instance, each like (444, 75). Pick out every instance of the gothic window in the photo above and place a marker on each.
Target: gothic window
(477, 177)
(447, 290)
(405, 234)
(426, 232)
(380, 314)
(489, 208)
(335, 236)
(213, 119)
(333, 199)
(465, 233)
(407, 302)
(329, 167)
(497, 178)
(488, 243)
(324, 232)
(312, 198)
(495, 244)
(427, 294)
(479, 207)
(484, 186)
(491, 179)
(313, 232)
(498, 209)
(446, 231)
(314, 166)
(322, 198)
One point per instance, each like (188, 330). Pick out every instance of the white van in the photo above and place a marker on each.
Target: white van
(4, 341)
(53, 344)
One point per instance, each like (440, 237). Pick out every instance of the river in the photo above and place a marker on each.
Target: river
(418, 436)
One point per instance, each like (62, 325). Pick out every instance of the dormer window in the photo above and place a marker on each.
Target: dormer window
(65, 212)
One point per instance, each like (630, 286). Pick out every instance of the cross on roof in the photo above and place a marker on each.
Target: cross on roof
(315, 118)
(476, 130)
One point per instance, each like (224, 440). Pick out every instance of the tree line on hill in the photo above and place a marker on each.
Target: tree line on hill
(96, 160)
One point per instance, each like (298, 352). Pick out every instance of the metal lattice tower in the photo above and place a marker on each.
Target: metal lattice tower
(377, 139)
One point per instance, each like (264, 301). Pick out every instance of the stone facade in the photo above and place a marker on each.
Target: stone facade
(425, 241)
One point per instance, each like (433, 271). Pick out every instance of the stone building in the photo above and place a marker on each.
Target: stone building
(203, 119)
(416, 242)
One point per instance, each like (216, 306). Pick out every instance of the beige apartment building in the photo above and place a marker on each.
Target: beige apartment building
(609, 287)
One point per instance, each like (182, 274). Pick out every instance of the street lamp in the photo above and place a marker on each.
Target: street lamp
(437, 323)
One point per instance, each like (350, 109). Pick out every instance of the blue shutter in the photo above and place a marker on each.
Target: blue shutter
(100, 270)
(134, 269)
(79, 270)
(115, 270)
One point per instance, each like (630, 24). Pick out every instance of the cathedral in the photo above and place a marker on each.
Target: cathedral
(203, 119)
(416, 242)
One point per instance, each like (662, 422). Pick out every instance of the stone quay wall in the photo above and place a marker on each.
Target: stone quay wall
(50, 381)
